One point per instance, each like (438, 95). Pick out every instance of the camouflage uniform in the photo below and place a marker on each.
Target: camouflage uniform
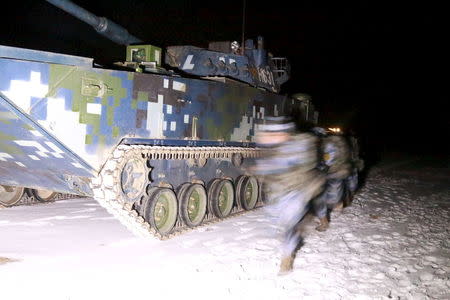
(336, 157)
(291, 181)
(357, 165)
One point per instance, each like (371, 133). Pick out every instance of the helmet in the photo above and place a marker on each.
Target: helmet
(319, 131)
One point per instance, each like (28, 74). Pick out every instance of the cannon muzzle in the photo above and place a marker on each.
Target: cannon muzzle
(102, 25)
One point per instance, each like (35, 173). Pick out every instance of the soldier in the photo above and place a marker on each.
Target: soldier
(336, 165)
(291, 179)
(357, 165)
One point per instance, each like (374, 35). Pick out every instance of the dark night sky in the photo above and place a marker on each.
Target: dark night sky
(373, 66)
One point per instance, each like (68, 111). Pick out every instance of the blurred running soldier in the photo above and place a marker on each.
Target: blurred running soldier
(336, 161)
(357, 165)
(291, 180)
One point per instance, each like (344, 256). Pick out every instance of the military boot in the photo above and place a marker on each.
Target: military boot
(287, 264)
(324, 224)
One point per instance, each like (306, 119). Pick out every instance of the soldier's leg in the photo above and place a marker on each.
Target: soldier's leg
(347, 198)
(292, 241)
(351, 186)
(294, 210)
(335, 194)
(321, 210)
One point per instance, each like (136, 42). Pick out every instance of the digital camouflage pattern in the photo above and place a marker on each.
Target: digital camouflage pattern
(292, 181)
(291, 166)
(336, 156)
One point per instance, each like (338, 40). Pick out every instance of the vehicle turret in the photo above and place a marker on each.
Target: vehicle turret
(247, 63)
(251, 64)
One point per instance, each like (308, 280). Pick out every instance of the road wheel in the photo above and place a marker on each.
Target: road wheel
(221, 197)
(42, 195)
(192, 200)
(247, 191)
(263, 195)
(10, 195)
(161, 210)
(141, 204)
(133, 178)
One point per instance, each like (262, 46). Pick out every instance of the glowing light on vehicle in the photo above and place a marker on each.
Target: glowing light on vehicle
(334, 129)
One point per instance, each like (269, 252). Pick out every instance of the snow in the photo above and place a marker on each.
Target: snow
(392, 243)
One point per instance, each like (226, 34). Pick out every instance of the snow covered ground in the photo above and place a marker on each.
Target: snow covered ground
(392, 243)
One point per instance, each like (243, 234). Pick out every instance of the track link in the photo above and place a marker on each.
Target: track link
(107, 192)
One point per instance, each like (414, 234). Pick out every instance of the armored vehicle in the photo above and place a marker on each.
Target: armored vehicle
(161, 149)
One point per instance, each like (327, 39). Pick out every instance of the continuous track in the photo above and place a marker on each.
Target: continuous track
(108, 193)
(107, 187)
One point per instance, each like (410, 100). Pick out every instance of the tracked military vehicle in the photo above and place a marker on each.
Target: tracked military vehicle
(162, 148)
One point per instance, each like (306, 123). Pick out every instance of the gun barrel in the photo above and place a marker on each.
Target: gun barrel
(102, 25)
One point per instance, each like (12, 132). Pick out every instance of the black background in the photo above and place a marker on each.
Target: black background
(378, 68)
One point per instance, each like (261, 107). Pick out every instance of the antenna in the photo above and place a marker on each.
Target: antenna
(243, 28)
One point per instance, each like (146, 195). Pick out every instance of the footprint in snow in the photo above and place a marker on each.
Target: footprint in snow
(440, 272)
(426, 277)
(392, 273)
